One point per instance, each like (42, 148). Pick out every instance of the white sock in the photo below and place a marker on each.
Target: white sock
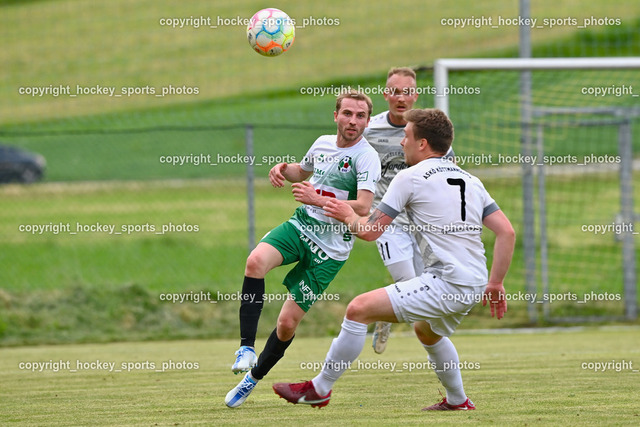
(252, 378)
(444, 356)
(345, 349)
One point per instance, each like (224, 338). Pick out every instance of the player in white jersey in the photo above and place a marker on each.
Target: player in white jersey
(342, 167)
(397, 245)
(449, 208)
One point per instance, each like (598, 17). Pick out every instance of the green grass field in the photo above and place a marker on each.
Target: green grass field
(95, 286)
(100, 138)
(181, 260)
(99, 297)
(119, 43)
(131, 146)
(51, 285)
(511, 381)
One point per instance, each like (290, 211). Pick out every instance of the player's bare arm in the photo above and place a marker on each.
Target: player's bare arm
(367, 228)
(362, 205)
(291, 172)
(305, 193)
(502, 254)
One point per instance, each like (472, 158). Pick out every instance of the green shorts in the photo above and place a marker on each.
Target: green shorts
(315, 270)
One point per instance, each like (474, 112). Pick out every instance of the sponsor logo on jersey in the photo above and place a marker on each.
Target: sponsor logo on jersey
(393, 167)
(392, 163)
(315, 249)
(345, 164)
(307, 292)
(392, 156)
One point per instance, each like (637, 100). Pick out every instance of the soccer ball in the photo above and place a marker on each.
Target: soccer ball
(270, 32)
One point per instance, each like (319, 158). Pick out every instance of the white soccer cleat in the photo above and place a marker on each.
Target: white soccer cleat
(245, 360)
(239, 393)
(380, 336)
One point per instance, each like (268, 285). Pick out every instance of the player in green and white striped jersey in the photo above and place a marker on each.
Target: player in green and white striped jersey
(342, 166)
(449, 208)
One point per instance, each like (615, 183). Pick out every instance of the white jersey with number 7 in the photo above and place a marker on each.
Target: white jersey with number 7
(446, 206)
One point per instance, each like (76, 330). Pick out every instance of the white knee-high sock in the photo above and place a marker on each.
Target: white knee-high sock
(444, 356)
(345, 349)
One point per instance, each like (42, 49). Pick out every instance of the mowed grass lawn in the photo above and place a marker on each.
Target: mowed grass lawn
(541, 378)
(121, 43)
(205, 242)
(95, 287)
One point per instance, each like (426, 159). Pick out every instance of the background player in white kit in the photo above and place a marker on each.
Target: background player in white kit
(450, 207)
(397, 245)
(342, 166)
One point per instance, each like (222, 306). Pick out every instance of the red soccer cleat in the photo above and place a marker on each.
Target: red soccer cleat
(304, 393)
(444, 406)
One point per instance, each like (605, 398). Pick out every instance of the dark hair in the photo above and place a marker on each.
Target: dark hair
(434, 126)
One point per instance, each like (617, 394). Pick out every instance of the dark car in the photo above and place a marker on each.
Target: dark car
(18, 165)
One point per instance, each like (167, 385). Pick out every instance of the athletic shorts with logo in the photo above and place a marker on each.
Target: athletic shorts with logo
(311, 276)
(427, 297)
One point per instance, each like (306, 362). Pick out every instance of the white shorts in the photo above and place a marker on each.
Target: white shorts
(430, 298)
(395, 245)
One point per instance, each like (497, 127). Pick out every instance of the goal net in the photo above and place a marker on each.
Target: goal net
(557, 143)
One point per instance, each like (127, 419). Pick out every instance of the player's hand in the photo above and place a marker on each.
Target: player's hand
(304, 192)
(276, 175)
(338, 209)
(495, 294)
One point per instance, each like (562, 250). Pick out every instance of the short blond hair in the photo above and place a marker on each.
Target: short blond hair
(358, 96)
(403, 71)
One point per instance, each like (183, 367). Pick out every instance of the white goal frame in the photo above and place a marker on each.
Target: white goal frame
(441, 68)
